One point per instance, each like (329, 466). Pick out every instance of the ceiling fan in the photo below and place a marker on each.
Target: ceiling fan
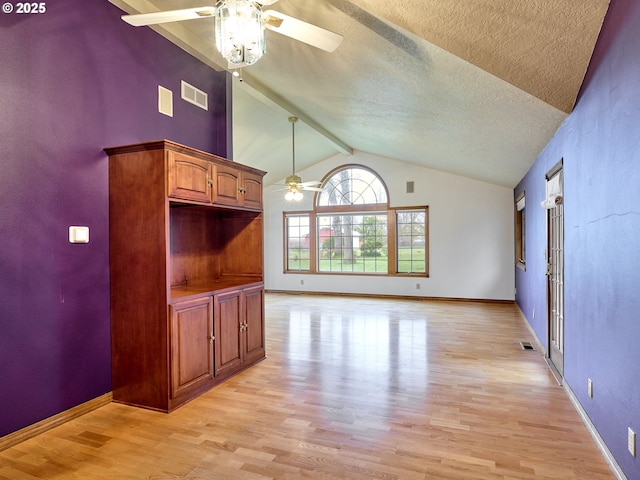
(240, 26)
(293, 184)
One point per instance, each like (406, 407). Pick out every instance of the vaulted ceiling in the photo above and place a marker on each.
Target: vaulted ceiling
(472, 87)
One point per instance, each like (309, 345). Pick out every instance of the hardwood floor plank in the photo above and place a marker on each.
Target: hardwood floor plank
(356, 388)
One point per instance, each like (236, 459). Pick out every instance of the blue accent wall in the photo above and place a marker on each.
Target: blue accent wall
(74, 80)
(600, 145)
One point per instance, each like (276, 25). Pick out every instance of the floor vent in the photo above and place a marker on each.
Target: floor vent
(527, 346)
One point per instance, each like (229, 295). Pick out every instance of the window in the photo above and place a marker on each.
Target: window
(353, 243)
(412, 240)
(353, 230)
(297, 242)
(520, 232)
(352, 186)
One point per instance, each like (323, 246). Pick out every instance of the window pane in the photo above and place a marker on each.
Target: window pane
(353, 243)
(412, 240)
(352, 186)
(297, 242)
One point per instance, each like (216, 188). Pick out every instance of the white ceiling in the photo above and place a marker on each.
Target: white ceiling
(476, 88)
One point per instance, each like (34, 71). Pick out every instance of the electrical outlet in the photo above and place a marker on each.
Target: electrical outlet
(533, 314)
(417, 286)
(631, 442)
(590, 388)
(301, 282)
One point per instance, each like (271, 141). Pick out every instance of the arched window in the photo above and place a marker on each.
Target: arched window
(353, 230)
(352, 185)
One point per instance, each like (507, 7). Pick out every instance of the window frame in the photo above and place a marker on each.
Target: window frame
(520, 229)
(381, 208)
(287, 238)
(396, 250)
(365, 206)
(365, 260)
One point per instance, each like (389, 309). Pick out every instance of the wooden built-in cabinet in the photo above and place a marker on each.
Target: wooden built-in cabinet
(192, 178)
(239, 327)
(191, 344)
(186, 265)
(238, 188)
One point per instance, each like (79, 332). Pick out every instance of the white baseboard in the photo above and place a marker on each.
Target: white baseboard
(594, 434)
(615, 468)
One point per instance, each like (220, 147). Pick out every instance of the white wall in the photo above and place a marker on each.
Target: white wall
(471, 252)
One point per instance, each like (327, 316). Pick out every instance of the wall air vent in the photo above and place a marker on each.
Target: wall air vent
(194, 95)
(409, 187)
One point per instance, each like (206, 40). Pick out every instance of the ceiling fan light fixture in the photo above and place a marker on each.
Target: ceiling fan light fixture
(292, 180)
(239, 28)
(240, 32)
(293, 194)
(293, 183)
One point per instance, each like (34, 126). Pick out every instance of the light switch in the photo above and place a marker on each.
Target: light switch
(78, 234)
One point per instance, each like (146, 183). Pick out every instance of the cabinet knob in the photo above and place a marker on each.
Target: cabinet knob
(210, 181)
(211, 338)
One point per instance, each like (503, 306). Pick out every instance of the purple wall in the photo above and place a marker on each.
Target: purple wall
(600, 145)
(74, 80)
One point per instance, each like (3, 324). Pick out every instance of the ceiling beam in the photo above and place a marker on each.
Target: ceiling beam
(253, 87)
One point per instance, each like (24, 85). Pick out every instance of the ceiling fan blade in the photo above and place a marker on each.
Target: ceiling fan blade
(302, 31)
(267, 2)
(154, 18)
(313, 189)
(311, 183)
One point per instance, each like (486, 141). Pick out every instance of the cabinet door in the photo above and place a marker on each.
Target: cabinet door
(253, 324)
(191, 344)
(251, 190)
(190, 178)
(227, 318)
(227, 186)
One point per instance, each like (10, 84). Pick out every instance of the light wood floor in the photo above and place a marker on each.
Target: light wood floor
(352, 388)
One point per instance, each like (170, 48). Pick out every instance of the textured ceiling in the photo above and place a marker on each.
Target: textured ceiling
(475, 88)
